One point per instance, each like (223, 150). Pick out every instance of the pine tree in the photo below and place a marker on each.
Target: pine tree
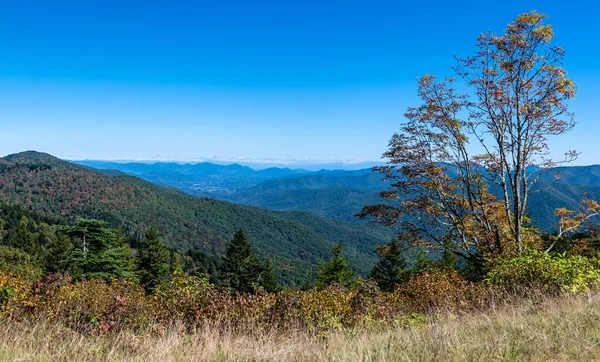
(24, 239)
(268, 281)
(448, 260)
(58, 254)
(103, 253)
(92, 234)
(336, 270)
(422, 262)
(152, 260)
(176, 263)
(390, 270)
(240, 270)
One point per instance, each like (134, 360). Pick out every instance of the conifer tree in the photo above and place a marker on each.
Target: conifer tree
(103, 253)
(267, 279)
(336, 270)
(448, 260)
(422, 262)
(240, 270)
(176, 263)
(57, 258)
(152, 260)
(24, 239)
(390, 270)
(92, 234)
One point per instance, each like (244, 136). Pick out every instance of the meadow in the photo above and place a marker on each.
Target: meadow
(553, 329)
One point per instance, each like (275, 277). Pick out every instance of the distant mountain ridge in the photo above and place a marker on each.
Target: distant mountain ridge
(341, 194)
(206, 178)
(341, 197)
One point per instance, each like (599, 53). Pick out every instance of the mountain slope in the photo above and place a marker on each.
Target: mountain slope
(342, 196)
(335, 195)
(57, 188)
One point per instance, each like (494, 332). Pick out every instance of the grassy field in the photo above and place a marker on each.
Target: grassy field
(562, 329)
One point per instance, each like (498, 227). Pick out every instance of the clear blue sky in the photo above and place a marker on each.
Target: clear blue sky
(308, 79)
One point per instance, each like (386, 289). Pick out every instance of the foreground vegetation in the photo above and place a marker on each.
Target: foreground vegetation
(555, 329)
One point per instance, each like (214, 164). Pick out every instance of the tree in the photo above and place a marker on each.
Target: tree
(516, 98)
(17, 261)
(93, 234)
(336, 270)
(175, 262)
(152, 260)
(268, 281)
(24, 239)
(59, 249)
(240, 270)
(389, 272)
(103, 252)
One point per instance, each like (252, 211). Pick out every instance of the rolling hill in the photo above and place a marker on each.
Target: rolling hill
(296, 240)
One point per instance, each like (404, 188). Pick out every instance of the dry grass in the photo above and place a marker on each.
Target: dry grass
(559, 329)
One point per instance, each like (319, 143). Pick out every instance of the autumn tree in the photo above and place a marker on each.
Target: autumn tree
(506, 100)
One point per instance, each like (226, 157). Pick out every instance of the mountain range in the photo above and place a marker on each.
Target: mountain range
(295, 240)
(340, 194)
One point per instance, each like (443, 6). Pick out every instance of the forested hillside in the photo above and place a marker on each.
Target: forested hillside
(340, 194)
(295, 241)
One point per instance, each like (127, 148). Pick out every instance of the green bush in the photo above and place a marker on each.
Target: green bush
(554, 274)
(16, 261)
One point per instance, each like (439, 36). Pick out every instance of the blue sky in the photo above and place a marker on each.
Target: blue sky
(265, 79)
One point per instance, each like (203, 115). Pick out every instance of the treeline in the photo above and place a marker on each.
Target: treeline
(35, 245)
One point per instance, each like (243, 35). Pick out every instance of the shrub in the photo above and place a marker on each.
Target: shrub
(553, 274)
(16, 261)
(13, 289)
(441, 289)
(94, 306)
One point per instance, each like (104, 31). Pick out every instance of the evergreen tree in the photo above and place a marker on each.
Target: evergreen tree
(448, 260)
(240, 270)
(24, 239)
(14, 260)
(152, 260)
(267, 279)
(336, 270)
(103, 253)
(92, 234)
(176, 263)
(422, 262)
(390, 270)
(59, 249)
